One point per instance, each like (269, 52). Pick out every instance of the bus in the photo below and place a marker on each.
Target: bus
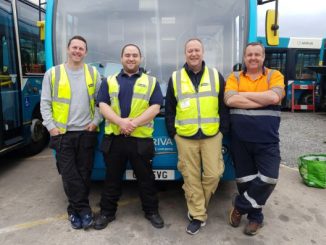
(293, 57)
(22, 65)
(320, 71)
(161, 29)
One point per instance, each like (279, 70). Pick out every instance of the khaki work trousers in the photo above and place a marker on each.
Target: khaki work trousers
(201, 165)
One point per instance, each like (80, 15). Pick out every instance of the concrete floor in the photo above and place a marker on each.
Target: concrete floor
(33, 204)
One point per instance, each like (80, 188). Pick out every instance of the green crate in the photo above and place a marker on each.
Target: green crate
(312, 168)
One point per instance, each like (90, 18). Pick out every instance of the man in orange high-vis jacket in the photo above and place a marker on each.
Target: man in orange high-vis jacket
(254, 96)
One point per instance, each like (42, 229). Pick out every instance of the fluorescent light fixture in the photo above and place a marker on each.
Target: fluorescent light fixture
(168, 38)
(147, 4)
(168, 20)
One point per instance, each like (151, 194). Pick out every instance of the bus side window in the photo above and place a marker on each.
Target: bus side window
(5, 80)
(276, 60)
(31, 47)
(26, 60)
(305, 58)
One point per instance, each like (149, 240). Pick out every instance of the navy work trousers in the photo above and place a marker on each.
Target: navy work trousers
(257, 169)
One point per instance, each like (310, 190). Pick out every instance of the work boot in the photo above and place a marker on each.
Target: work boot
(252, 228)
(235, 217)
(102, 221)
(155, 219)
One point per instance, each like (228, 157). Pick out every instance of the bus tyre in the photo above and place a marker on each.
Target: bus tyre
(39, 138)
(306, 99)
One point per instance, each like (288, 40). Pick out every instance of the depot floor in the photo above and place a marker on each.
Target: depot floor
(33, 204)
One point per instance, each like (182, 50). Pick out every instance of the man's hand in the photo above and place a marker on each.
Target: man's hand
(127, 126)
(54, 132)
(91, 127)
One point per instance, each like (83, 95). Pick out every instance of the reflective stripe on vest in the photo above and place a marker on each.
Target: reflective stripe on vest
(61, 94)
(196, 109)
(143, 89)
(256, 112)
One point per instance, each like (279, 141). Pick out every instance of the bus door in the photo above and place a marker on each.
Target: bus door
(304, 76)
(10, 104)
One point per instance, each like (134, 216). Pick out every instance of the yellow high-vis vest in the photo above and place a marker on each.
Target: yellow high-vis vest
(196, 110)
(143, 89)
(61, 94)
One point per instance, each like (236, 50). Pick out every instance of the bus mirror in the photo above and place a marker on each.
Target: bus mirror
(271, 28)
(41, 25)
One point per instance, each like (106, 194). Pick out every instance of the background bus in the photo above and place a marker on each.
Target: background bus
(22, 64)
(160, 28)
(292, 57)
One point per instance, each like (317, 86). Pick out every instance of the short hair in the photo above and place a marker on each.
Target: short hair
(127, 45)
(244, 53)
(194, 39)
(77, 37)
(253, 44)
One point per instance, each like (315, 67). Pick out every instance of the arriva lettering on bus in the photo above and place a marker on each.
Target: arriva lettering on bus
(163, 141)
(296, 42)
(306, 43)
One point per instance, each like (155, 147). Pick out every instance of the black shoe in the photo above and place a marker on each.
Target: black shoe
(102, 221)
(155, 219)
(194, 226)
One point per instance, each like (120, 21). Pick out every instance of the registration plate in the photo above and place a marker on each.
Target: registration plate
(160, 174)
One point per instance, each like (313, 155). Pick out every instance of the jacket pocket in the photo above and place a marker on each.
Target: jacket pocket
(55, 142)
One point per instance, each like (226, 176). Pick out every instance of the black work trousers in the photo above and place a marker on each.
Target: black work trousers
(117, 152)
(75, 155)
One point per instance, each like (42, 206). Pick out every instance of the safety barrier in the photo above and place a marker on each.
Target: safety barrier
(303, 107)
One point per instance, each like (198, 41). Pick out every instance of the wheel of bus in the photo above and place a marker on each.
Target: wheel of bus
(39, 138)
(306, 98)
